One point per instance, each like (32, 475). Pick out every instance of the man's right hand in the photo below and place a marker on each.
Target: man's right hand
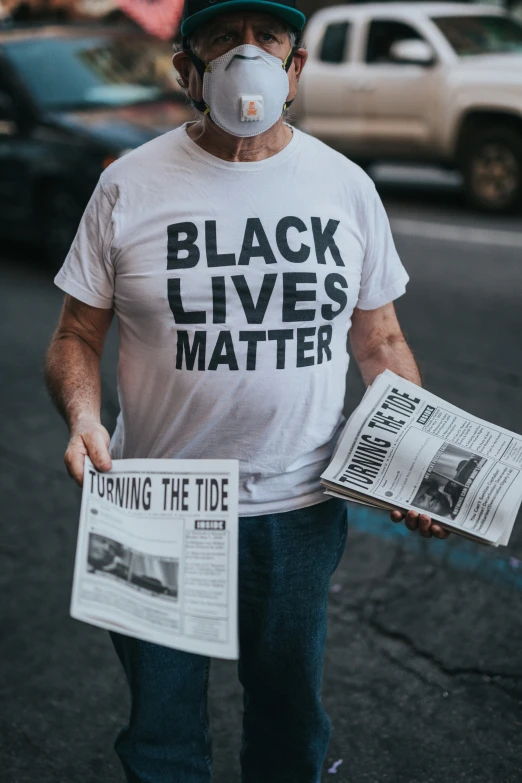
(88, 438)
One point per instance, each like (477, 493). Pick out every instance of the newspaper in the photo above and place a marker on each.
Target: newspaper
(157, 553)
(404, 448)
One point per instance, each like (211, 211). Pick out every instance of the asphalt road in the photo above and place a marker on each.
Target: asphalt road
(423, 678)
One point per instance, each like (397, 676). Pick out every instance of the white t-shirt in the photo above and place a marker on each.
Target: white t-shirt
(234, 286)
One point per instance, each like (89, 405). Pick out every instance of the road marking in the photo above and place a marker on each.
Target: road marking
(488, 563)
(446, 232)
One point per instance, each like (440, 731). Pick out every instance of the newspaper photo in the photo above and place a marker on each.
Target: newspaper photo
(156, 556)
(404, 448)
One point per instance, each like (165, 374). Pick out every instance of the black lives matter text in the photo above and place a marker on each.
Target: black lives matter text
(289, 345)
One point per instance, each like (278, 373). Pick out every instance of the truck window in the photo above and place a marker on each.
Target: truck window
(382, 34)
(333, 45)
(481, 34)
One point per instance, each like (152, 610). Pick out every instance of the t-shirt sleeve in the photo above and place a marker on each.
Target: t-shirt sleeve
(88, 272)
(383, 277)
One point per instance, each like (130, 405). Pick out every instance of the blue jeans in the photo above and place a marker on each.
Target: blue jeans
(285, 564)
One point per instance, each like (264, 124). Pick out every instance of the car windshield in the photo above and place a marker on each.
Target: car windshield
(481, 34)
(98, 71)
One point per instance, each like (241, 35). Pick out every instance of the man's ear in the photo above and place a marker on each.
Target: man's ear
(181, 63)
(295, 70)
(299, 61)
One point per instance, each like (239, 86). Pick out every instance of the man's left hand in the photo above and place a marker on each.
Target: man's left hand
(421, 522)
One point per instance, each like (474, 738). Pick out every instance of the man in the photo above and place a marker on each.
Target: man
(433, 499)
(443, 500)
(465, 470)
(236, 253)
(106, 555)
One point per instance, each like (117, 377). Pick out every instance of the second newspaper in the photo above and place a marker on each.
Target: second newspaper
(404, 447)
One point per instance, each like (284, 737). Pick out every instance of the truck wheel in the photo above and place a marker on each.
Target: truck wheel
(492, 169)
(60, 213)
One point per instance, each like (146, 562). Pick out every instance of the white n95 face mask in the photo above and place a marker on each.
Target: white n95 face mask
(245, 90)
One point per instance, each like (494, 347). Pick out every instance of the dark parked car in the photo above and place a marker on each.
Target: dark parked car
(72, 100)
(150, 583)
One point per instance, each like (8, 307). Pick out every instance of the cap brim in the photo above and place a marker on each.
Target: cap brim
(291, 15)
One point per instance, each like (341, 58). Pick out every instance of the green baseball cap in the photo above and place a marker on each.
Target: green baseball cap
(196, 12)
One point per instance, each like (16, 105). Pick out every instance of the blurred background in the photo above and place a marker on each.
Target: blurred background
(423, 678)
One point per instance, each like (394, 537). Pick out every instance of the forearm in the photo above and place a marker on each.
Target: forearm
(393, 354)
(73, 378)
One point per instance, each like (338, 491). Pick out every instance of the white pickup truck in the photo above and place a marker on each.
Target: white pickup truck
(427, 82)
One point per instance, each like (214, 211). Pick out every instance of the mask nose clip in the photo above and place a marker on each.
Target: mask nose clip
(241, 57)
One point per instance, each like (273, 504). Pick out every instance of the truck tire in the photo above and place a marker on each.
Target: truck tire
(60, 215)
(491, 164)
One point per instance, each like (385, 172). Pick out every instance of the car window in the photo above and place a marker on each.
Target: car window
(481, 34)
(334, 43)
(97, 71)
(383, 34)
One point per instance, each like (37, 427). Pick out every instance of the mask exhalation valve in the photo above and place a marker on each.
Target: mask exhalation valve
(252, 108)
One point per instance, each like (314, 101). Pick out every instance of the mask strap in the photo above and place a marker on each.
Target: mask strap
(201, 66)
(287, 62)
